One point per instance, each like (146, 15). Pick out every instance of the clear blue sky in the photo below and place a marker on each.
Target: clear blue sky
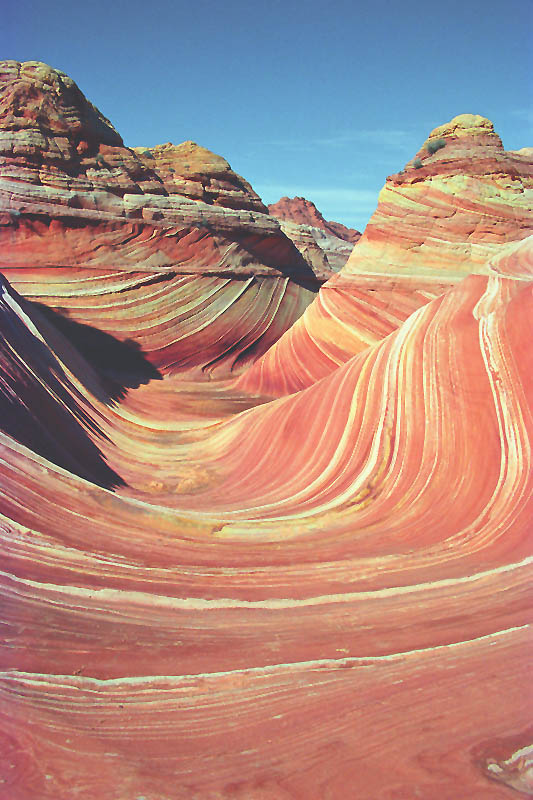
(303, 98)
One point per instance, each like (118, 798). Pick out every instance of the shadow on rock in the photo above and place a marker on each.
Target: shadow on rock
(118, 365)
(39, 405)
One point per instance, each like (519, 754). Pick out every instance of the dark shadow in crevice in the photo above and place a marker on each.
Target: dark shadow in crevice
(282, 255)
(162, 277)
(117, 365)
(40, 407)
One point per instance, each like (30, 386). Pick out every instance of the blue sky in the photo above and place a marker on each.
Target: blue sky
(302, 98)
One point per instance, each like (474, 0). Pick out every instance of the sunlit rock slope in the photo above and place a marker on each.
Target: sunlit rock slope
(210, 595)
(106, 234)
(459, 201)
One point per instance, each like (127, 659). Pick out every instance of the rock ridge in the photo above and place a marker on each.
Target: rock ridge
(305, 212)
(75, 202)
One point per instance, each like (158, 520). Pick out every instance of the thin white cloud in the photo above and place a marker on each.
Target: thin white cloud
(383, 137)
(341, 196)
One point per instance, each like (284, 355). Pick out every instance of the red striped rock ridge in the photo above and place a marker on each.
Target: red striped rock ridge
(456, 204)
(208, 596)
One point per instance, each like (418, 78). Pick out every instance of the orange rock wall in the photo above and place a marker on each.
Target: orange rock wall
(210, 594)
(438, 220)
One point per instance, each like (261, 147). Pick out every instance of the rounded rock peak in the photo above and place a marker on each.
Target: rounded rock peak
(44, 73)
(51, 102)
(464, 125)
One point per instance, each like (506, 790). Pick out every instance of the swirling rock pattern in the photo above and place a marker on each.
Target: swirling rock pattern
(456, 204)
(209, 595)
(171, 225)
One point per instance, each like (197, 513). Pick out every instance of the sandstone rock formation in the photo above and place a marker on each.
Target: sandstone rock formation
(453, 206)
(326, 246)
(304, 212)
(172, 224)
(207, 595)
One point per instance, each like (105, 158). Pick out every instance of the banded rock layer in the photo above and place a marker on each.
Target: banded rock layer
(456, 204)
(104, 234)
(256, 619)
(211, 596)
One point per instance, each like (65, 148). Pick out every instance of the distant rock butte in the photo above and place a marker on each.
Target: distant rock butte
(326, 246)
(304, 212)
(454, 206)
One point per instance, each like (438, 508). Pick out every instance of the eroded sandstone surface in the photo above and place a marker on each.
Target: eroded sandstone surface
(87, 220)
(211, 594)
(458, 202)
(326, 246)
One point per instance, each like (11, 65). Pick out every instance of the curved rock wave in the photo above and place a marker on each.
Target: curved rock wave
(460, 201)
(366, 535)
(208, 593)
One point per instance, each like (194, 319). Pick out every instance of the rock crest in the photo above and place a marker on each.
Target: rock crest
(208, 593)
(304, 212)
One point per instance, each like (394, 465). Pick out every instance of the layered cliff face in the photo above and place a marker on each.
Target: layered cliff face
(455, 204)
(285, 582)
(170, 225)
(207, 594)
(326, 246)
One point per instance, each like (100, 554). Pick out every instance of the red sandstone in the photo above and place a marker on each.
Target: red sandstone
(210, 595)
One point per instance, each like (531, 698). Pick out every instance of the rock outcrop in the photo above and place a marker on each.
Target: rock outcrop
(86, 222)
(192, 171)
(208, 594)
(326, 246)
(455, 205)
(304, 212)
(449, 210)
